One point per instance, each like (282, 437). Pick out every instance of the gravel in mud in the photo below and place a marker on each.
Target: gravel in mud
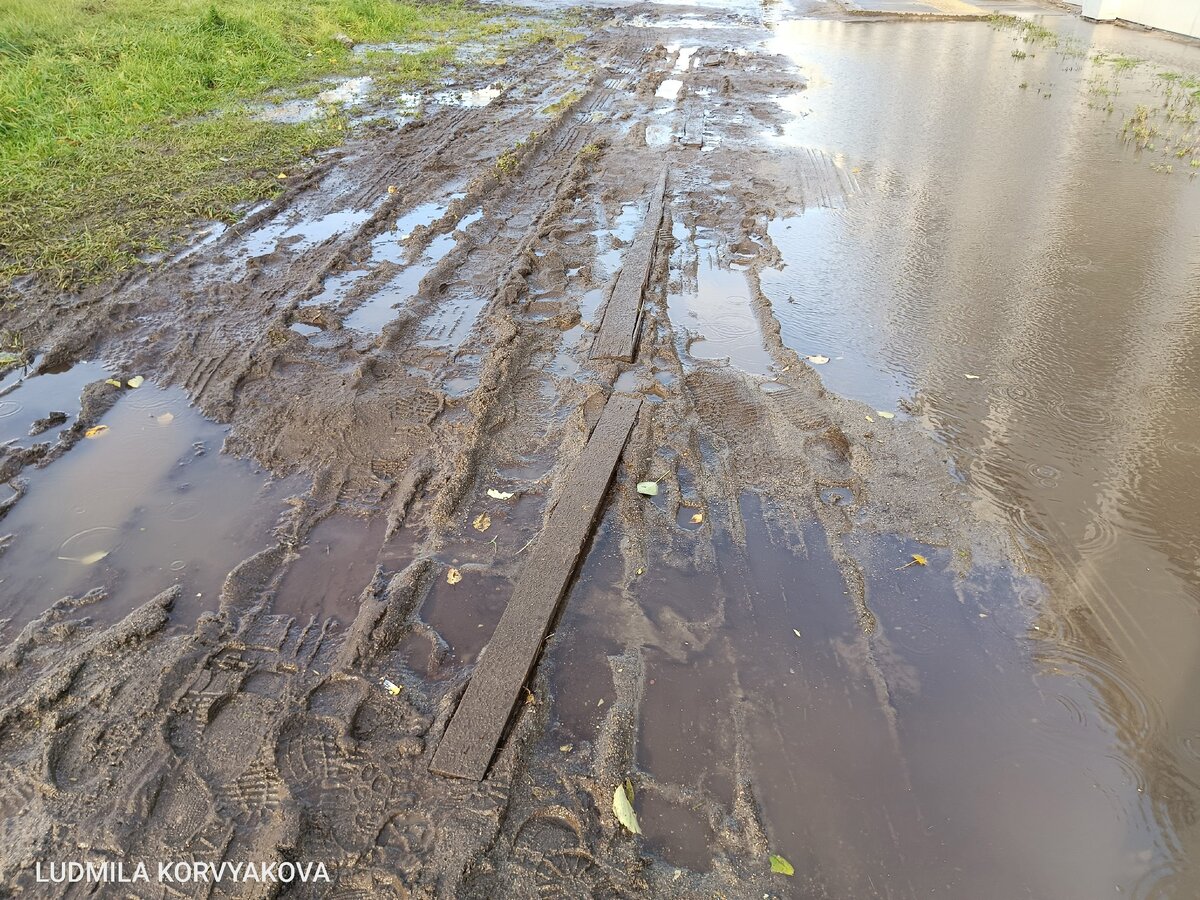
(477, 246)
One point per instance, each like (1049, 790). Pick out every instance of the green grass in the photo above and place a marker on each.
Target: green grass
(121, 121)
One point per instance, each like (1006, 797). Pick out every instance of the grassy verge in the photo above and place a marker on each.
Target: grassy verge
(123, 120)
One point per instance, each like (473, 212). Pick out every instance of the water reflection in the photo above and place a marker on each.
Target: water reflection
(1007, 233)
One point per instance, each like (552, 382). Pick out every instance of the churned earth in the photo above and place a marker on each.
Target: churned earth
(914, 605)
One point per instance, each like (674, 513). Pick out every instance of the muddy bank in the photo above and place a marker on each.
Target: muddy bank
(755, 647)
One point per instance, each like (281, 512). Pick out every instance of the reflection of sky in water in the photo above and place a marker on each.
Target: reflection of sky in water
(1008, 234)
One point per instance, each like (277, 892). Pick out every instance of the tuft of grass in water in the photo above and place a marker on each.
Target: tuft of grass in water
(121, 121)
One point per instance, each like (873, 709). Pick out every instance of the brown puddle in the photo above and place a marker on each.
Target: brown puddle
(961, 735)
(149, 502)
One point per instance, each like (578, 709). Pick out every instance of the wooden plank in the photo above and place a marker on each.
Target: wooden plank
(617, 337)
(467, 747)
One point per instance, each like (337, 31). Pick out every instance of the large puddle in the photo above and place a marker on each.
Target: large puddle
(1028, 285)
(148, 502)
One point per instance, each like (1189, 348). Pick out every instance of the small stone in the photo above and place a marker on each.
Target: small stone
(410, 746)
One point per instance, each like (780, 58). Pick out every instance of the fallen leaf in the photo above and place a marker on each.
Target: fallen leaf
(565, 748)
(391, 687)
(818, 359)
(697, 518)
(500, 495)
(781, 866)
(623, 807)
(453, 576)
(884, 415)
(917, 560)
(112, 381)
(281, 176)
(392, 189)
(482, 522)
(93, 558)
(95, 431)
(136, 381)
(649, 488)
(165, 418)
(640, 571)
(869, 419)
(796, 632)
(972, 377)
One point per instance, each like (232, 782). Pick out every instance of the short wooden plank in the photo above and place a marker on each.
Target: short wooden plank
(475, 729)
(617, 337)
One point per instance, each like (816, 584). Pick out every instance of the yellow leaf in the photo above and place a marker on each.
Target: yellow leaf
(781, 866)
(112, 381)
(93, 558)
(136, 381)
(500, 495)
(391, 687)
(482, 522)
(565, 748)
(818, 359)
(919, 559)
(392, 189)
(884, 415)
(623, 807)
(453, 576)
(95, 431)
(281, 176)
(868, 418)
(697, 518)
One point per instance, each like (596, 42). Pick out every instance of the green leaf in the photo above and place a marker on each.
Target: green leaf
(781, 865)
(649, 488)
(623, 807)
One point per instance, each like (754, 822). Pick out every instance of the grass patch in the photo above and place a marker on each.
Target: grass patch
(121, 121)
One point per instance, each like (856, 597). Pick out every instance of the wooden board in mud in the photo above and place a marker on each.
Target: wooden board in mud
(475, 729)
(617, 337)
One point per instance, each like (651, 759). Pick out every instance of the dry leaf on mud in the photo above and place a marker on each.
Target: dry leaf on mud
(392, 189)
(648, 488)
(781, 866)
(136, 381)
(869, 419)
(453, 576)
(884, 415)
(623, 807)
(482, 522)
(93, 558)
(95, 431)
(500, 495)
(697, 518)
(391, 687)
(112, 381)
(281, 176)
(818, 359)
(565, 748)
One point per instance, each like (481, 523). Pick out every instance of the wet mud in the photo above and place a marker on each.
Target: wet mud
(914, 605)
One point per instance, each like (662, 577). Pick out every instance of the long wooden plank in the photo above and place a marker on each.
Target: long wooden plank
(617, 337)
(467, 747)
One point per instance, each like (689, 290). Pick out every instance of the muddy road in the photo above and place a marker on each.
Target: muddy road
(915, 604)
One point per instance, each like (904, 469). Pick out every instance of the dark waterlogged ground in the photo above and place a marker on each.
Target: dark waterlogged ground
(920, 295)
